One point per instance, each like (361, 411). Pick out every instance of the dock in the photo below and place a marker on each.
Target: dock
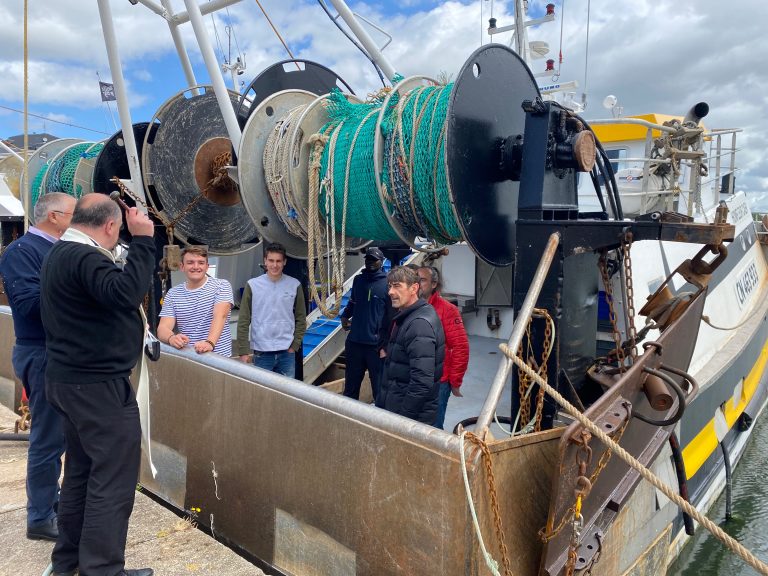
(157, 538)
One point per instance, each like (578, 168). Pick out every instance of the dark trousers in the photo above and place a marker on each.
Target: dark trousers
(46, 437)
(101, 425)
(360, 357)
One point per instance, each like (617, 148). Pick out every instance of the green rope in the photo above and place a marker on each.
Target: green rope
(413, 173)
(61, 174)
(60, 171)
(356, 128)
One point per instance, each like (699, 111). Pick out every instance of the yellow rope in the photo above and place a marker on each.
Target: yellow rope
(716, 531)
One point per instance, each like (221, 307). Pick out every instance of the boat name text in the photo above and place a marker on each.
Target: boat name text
(746, 283)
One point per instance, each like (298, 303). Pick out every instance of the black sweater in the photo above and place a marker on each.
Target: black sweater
(90, 310)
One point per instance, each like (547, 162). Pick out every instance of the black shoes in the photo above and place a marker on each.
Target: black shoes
(134, 572)
(45, 531)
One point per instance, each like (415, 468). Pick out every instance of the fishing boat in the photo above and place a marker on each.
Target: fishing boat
(609, 269)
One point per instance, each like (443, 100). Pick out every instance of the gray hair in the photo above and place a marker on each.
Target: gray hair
(434, 274)
(403, 274)
(94, 214)
(50, 202)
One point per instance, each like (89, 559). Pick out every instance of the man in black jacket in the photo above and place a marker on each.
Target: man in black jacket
(367, 307)
(410, 380)
(94, 336)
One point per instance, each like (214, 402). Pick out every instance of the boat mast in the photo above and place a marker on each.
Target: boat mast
(108, 28)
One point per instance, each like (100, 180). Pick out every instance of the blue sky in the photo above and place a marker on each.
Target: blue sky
(660, 56)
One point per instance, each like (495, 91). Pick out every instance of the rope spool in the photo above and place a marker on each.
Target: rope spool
(83, 177)
(185, 150)
(37, 168)
(61, 173)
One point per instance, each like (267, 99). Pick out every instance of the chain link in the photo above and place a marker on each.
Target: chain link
(602, 264)
(494, 500)
(626, 245)
(541, 369)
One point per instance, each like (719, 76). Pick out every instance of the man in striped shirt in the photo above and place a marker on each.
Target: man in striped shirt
(199, 309)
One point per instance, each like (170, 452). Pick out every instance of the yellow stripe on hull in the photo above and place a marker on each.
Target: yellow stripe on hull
(705, 442)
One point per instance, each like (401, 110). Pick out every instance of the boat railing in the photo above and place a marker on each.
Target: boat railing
(707, 168)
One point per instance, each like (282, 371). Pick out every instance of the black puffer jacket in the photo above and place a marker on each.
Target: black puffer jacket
(410, 380)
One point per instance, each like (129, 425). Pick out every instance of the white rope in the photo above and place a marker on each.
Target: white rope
(278, 157)
(493, 566)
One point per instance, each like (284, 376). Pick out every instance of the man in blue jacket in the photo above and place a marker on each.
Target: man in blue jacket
(20, 267)
(367, 309)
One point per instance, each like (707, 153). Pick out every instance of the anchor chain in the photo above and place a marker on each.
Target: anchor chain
(494, 499)
(541, 370)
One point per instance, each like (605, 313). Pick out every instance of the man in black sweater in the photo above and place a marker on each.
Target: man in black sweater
(367, 308)
(20, 268)
(94, 336)
(410, 381)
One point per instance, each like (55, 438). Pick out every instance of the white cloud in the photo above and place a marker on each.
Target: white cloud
(655, 56)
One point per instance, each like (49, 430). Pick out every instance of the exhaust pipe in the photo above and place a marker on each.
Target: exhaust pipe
(696, 113)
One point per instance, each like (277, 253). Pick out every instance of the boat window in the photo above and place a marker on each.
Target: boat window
(615, 155)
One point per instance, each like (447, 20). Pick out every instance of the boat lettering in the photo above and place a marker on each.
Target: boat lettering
(746, 283)
(739, 212)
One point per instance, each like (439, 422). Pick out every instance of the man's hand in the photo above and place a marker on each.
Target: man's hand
(346, 324)
(382, 353)
(291, 351)
(139, 223)
(178, 341)
(246, 358)
(203, 346)
(456, 391)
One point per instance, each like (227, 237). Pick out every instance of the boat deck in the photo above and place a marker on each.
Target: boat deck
(156, 537)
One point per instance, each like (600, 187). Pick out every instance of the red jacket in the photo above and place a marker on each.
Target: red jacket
(456, 342)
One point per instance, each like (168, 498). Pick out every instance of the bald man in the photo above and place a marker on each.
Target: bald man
(20, 267)
(94, 337)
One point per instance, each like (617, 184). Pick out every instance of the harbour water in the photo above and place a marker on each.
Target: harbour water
(707, 556)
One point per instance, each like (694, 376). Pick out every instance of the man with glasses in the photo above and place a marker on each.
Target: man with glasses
(20, 268)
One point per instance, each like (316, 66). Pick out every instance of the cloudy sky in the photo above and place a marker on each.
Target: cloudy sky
(660, 56)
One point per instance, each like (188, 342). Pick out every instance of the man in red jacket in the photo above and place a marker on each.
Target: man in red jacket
(456, 342)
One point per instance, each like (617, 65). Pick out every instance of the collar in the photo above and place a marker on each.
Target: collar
(37, 232)
(75, 235)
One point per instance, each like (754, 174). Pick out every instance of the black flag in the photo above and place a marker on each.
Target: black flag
(107, 91)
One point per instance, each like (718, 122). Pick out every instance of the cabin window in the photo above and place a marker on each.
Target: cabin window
(615, 155)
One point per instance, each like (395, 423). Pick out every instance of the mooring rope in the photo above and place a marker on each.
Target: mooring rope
(635, 464)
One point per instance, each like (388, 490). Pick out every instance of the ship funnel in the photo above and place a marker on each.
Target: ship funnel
(696, 113)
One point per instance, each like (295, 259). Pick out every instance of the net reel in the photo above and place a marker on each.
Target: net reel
(185, 154)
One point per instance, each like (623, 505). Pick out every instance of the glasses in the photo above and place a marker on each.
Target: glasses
(61, 212)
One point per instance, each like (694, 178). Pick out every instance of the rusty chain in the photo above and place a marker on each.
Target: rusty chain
(545, 535)
(541, 369)
(494, 499)
(626, 244)
(23, 421)
(602, 264)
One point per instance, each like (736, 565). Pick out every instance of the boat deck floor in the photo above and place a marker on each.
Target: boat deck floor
(484, 359)
(157, 538)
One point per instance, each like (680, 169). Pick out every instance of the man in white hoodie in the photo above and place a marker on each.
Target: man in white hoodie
(273, 317)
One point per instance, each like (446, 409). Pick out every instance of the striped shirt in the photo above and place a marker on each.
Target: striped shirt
(193, 311)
